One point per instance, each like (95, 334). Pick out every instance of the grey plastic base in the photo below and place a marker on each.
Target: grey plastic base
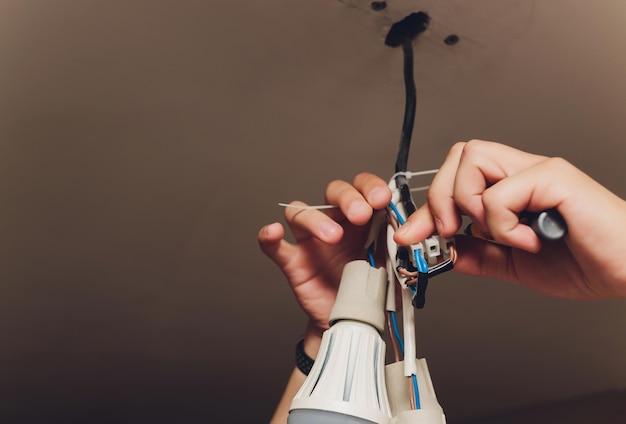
(314, 416)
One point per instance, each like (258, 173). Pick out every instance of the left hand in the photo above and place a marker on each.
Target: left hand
(325, 242)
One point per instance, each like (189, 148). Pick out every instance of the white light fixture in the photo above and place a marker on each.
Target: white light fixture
(347, 382)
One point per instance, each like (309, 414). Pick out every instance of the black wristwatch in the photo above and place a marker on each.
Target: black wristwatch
(303, 361)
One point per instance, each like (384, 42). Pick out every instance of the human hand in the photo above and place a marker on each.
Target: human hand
(492, 183)
(325, 242)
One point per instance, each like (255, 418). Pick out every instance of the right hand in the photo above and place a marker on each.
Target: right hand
(492, 183)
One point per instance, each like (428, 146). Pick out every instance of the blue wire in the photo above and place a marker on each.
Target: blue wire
(396, 332)
(417, 392)
(422, 266)
(396, 212)
(370, 255)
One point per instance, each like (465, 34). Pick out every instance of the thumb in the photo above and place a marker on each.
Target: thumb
(272, 243)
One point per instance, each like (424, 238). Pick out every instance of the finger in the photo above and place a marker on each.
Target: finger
(482, 164)
(271, 242)
(416, 228)
(534, 189)
(306, 223)
(483, 259)
(374, 189)
(446, 215)
(350, 200)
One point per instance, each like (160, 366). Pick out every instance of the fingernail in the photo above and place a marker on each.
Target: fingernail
(267, 230)
(403, 229)
(378, 194)
(328, 229)
(358, 208)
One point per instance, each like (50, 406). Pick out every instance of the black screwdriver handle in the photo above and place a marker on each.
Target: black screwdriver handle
(548, 225)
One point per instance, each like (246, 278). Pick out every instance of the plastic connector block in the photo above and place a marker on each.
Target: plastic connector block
(432, 250)
(432, 247)
(418, 246)
(444, 243)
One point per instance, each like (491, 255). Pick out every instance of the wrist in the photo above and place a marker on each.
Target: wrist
(312, 339)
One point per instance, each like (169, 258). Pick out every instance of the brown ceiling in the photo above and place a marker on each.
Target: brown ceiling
(142, 145)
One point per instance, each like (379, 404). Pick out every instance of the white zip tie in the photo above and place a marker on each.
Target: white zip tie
(408, 175)
(423, 188)
(287, 205)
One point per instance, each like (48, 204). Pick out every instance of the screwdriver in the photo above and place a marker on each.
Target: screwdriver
(548, 225)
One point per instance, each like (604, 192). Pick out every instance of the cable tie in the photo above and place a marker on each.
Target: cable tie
(288, 205)
(408, 174)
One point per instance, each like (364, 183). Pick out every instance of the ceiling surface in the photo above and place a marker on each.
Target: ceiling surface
(143, 145)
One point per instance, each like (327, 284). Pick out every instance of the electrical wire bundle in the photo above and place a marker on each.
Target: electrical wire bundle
(410, 267)
(415, 264)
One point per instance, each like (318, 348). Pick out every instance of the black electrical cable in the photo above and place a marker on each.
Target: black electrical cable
(409, 108)
(402, 33)
(419, 298)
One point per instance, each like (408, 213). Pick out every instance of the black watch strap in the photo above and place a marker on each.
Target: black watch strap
(303, 361)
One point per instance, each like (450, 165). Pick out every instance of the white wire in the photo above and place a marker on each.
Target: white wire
(408, 324)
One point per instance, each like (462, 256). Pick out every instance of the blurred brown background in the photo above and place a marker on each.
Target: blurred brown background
(144, 143)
